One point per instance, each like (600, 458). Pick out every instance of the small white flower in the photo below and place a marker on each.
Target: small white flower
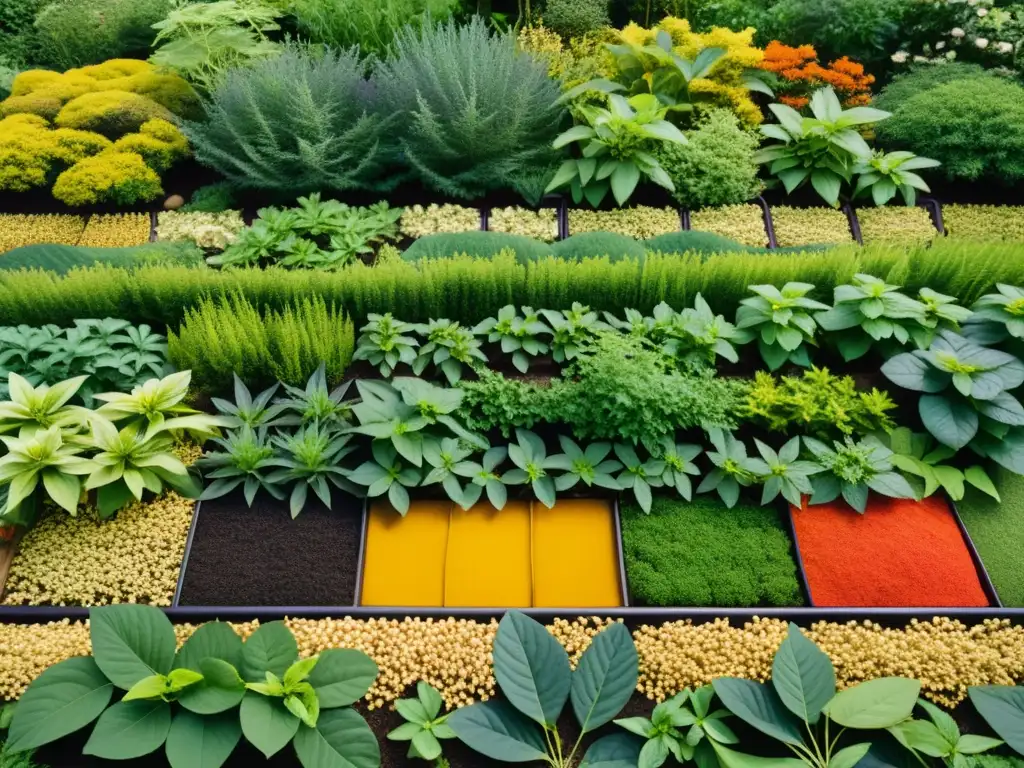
(951, 55)
(940, 45)
(899, 57)
(1005, 47)
(957, 32)
(920, 59)
(981, 42)
(983, 12)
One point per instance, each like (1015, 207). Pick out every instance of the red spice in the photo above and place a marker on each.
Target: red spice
(899, 553)
(7, 532)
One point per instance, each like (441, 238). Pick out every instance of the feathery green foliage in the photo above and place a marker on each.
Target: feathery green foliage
(296, 123)
(483, 245)
(477, 114)
(74, 33)
(370, 24)
(219, 339)
(597, 244)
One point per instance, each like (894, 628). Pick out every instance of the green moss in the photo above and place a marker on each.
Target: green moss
(587, 245)
(701, 554)
(997, 530)
(483, 245)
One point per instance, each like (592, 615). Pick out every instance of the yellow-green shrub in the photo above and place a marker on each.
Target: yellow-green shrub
(115, 177)
(112, 113)
(984, 222)
(158, 142)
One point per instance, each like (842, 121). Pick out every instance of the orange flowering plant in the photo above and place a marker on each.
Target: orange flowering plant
(798, 74)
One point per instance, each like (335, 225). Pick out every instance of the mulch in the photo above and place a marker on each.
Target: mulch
(899, 553)
(262, 557)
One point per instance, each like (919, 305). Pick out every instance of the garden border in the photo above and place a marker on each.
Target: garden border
(769, 222)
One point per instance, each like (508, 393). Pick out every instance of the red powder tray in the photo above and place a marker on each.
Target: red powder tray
(900, 553)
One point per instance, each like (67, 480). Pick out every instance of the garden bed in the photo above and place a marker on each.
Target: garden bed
(997, 530)
(809, 226)
(896, 225)
(742, 223)
(261, 556)
(899, 553)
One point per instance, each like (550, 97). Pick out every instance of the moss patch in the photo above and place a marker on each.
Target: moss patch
(701, 554)
(997, 530)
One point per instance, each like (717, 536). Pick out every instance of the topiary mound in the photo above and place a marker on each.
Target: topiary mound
(63, 258)
(484, 245)
(112, 113)
(599, 244)
(704, 243)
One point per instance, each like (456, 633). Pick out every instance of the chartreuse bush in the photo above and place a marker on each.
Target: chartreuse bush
(699, 553)
(984, 222)
(743, 223)
(198, 702)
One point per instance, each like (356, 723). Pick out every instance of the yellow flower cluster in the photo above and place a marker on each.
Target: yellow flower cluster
(742, 223)
(810, 226)
(134, 557)
(540, 225)
(455, 655)
(116, 230)
(987, 223)
(640, 222)
(213, 231)
(896, 225)
(418, 221)
(18, 229)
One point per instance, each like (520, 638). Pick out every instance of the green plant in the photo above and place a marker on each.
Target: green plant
(247, 411)
(698, 553)
(156, 405)
(483, 477)
(424, 724)
(637, 221)
(32, 409)
(205, 41)
(663, 737)
(596, 245)
(996, 316)
(852, 469)
(218, 197)
(1000, 706)
(733, 469)
(246, 460)
(640, 476)
(896, 225)
(531, 466)
(309, 459)
(41, 460)
(519, 335)
(478, 114)
(823, 150)
(787, 474)
(818, 403)
(590, 465)
(295, 123)
(696, 336)
(444, 458)
(939, 737)
(886, 174)
(481, 245)
(741, 223)
(575, 18)
(210, 703)
(386, 474)
(572, 330)
(802, 697)
(72, 33)
(870, 310)
(967, 395)
(716, 165)
(61, 259)
(315, 403)
(613, 146)
(385, 343)
(369, 24)
(450, 347)
(532, 670)
(971, 125)
(781, 322)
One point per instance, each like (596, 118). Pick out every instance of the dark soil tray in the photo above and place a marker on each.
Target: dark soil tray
(261, 556)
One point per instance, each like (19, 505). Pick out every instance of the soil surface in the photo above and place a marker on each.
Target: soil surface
(261, 556)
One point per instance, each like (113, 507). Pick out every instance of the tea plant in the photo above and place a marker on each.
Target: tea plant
(425, 726)
(734, 469)
(198, 702)
(867, 312)
(384, 342)
(532, 670)
(449, 347)
(852, 469)
(781, 322)
(519, 335)
(308, 460)
(246, 460)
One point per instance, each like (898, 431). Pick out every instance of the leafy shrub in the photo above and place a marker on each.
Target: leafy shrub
(369, 24)
(700, 554)
(575, 18)
(293, 124)
(640, 221)
(218, 340)
(984, 222)
(158, 142)
(73, 33)
(899, 226)
(477, 114)
(742, 223)
(921, 78)
(804, 226)
(483, 245)
(716, 166)
(704, 243)
(973, 126)
(111, 113)
(587, 245)
(61, 258)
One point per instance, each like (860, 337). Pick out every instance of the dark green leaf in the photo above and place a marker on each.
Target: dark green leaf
(876, 703)
(496, 730)
(266, 723)
(531, 668)
(615, 751)
(758, 705)
(271, 648)
(803, 676)
(341, 739)
(130, 642)
(130, 729)
(1002, 706)
(605, 677)
(342, 676)
(202, 742)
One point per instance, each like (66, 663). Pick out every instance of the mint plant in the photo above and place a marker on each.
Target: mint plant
(781, 321)
(734, 469)
(787, 474)
(941, 312)
(886, 174)
(519, 335)
(639, 476)
(679, 465)
(852, 469)
(444, 457)
(424, 725)
(450, 348)
(386, 474)
(386, 342)
(572, 330)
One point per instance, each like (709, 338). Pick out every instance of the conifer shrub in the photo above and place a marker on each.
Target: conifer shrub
(481, 245)
(588, 245)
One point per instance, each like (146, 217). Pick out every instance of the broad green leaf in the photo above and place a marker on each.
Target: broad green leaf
(130, 642)
(266, 724)
(605, 677)
(615, 751)
(730, 758)
(922, 736)
(972, 744)
(341, 739)
(952, 424)
(653, 754)
(271, 648)
(214, 639)
(531, 668)
(875, 703)
(221, 689)
(1002, 706)
(803, 676)
(151, 687)
(497, 730)
(849, 756)
(130, 729)
(202, 742)
(342, 677)
(64, 698)
(758, 705)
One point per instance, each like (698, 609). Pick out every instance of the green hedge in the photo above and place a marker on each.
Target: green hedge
(63, 258)
(469, 290)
